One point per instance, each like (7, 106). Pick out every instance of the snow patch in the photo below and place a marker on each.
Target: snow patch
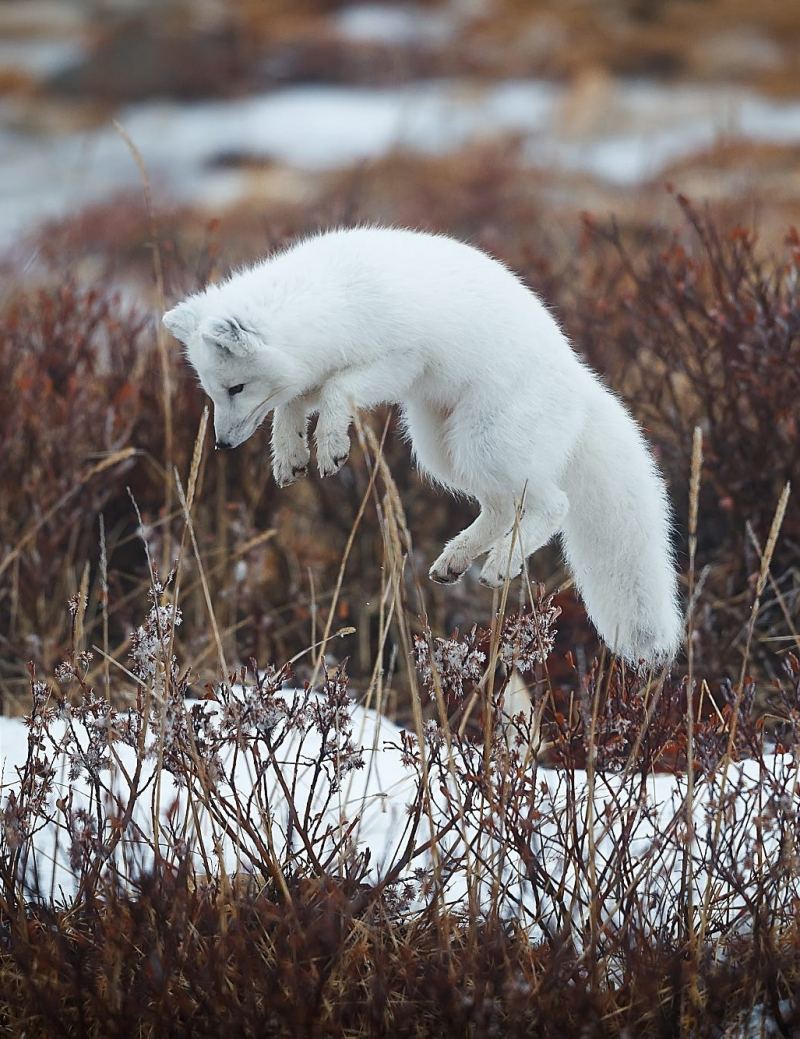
(644, 128)
(637, 824)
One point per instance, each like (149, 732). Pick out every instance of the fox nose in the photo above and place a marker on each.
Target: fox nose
(223, 445)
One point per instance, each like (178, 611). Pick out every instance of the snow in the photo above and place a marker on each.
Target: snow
(636, 824)
(314, 128)
(376, 794)
(656, 128)
(638, 131)
(402, 24)
(42, 57)
(760, 1024)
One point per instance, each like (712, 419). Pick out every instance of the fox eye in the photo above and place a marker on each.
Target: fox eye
(233, 390)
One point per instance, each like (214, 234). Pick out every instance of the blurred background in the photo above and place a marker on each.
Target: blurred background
(148, 146)
(267, 104)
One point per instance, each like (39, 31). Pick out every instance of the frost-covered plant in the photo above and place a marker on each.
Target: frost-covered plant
(25, 807)
(566, 875)
(459, 663)
(153, 661)
(331, 717)
(453, 662)
(254, 710)
(527, 638)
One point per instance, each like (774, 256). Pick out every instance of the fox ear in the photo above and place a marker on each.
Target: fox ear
(182, 320)
(227, 334)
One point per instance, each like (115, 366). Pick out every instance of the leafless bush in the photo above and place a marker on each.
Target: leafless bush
(610, 853)
(700, 328)
(270, 859)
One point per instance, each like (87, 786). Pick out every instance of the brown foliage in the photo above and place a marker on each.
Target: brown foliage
(699, 328)
(312, 945)
(693, 327)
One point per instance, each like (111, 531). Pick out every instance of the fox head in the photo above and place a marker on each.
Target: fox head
(243, 375)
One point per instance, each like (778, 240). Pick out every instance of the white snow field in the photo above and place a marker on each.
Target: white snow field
(561, 858)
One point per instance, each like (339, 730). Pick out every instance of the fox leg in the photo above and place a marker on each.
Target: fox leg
(290, 454)
(382, 381)
(492, 522)
(332, 435)
(540, 518)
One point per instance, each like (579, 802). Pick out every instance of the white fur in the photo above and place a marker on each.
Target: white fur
(495, 402)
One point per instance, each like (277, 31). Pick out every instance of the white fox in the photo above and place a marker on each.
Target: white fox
(496, 404)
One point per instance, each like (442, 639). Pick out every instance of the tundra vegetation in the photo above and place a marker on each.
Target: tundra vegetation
(170, 621)
(109, 486)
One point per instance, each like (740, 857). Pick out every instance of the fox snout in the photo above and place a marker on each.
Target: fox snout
(226, 429)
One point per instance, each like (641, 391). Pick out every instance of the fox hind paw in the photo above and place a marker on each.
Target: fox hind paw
(498, 568)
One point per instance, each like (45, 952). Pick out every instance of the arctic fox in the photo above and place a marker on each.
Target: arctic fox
(496, 404)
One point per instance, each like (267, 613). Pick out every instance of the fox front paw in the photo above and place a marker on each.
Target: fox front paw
(286, 468)
(332, 452)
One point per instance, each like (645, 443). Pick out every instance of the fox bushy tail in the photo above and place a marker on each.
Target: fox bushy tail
(617, 536)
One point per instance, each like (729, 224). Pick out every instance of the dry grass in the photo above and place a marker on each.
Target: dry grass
(697, 326)
(304, 939)
(700, 328)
